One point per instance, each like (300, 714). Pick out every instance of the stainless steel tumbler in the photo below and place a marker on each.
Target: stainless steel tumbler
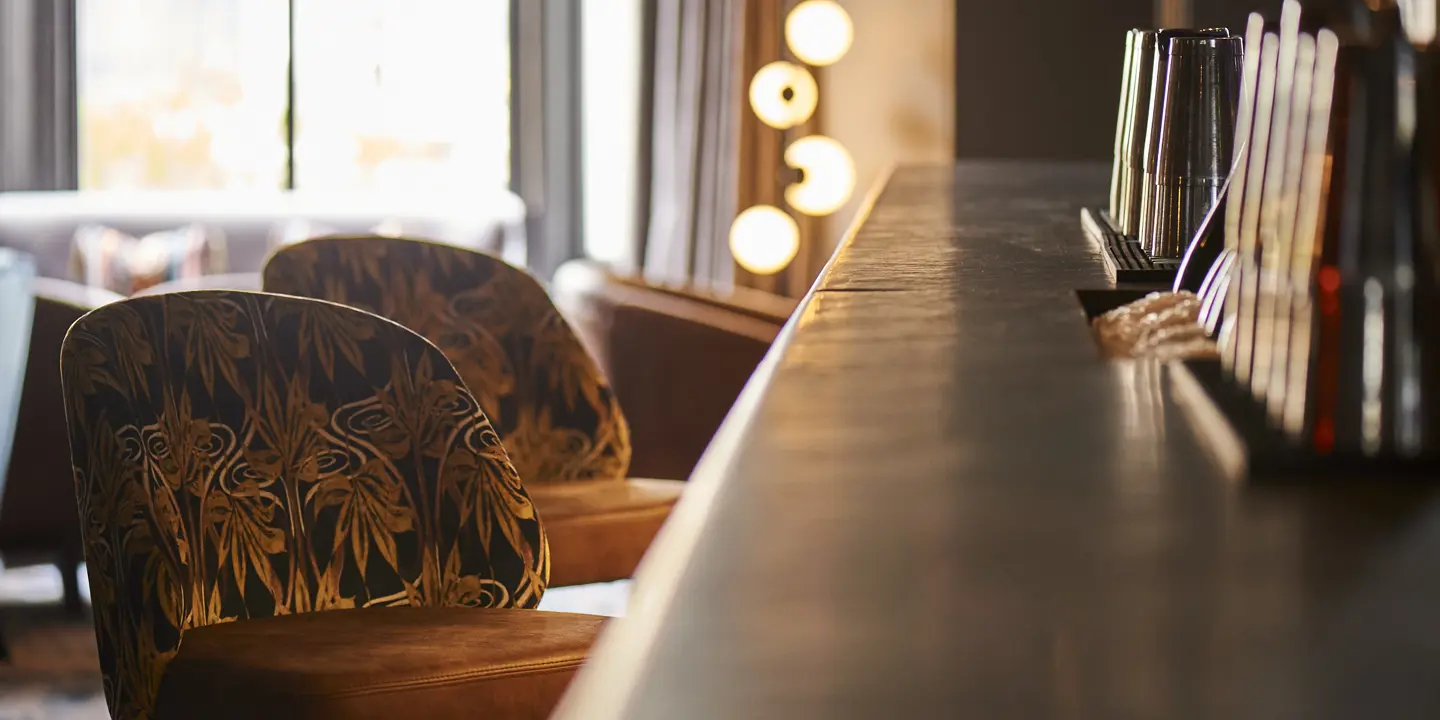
(1117, 170)
(1193, 136)
(1136, 120)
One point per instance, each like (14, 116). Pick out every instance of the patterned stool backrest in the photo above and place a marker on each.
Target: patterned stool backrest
(242, 455)
(553, 407)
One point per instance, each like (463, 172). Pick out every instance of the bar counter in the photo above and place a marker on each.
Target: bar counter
(935, 499)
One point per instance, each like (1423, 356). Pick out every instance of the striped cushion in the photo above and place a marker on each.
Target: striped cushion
(108, 258)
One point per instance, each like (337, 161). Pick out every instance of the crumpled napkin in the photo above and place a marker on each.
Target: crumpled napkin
(1162, 325)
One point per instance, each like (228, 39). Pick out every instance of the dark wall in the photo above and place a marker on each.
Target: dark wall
(1041, 78)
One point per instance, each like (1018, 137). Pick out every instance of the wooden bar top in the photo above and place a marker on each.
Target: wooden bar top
(935, 499)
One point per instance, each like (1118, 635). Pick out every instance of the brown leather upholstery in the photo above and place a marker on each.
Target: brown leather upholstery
(416, 662)
(676, 361)
(604, 528)
(38, 519)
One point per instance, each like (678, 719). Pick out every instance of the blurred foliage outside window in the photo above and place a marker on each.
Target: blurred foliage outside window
(408, 95)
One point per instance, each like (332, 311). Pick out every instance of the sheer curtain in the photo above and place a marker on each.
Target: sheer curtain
(694, 99)
(37, 95)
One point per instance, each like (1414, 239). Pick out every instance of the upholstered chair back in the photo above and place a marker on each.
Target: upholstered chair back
(553, 407)
(241, 455)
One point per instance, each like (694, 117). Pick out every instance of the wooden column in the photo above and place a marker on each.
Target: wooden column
(1039, 79)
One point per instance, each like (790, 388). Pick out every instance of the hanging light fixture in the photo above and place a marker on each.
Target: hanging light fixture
(828, 175)
(764, 239)
(819, 32)
(783, 95)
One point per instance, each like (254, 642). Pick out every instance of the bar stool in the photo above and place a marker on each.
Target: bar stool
(554, 410)
(295, 509)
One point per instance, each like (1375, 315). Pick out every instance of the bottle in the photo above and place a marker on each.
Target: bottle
(1377, 380)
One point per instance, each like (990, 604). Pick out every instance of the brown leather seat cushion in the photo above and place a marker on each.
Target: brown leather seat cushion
(379, 663)
(599, 530)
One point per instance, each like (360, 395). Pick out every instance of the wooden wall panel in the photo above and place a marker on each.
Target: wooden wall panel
(1041, 78)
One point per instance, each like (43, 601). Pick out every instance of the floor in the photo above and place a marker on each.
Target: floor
(53, 673)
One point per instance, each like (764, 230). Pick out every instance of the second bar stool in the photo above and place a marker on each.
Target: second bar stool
(293, 509)
(555, 411)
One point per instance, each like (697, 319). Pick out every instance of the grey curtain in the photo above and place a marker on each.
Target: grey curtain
(38, 123)
(694, 104)
(545, 114)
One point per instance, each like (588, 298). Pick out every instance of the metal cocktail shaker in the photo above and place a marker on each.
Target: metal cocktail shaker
(1134, 121)
(1195, 139)
(1194, 95)
(1117, 170)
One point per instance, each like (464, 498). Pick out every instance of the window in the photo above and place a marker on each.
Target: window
(612, 66)
(402, 94)
(181, 93)
(388, 94)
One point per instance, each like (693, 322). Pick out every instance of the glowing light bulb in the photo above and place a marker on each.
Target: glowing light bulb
(783, 95)
(819, 32)
(829, 175)
(764, 239)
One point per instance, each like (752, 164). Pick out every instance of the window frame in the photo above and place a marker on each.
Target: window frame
(545, 118)
(39, 116)
(546, 151)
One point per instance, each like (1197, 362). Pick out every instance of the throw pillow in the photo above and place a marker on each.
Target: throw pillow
(106, 257)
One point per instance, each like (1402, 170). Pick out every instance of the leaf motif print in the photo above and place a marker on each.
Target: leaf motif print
(479, 358)
(212, 336)
(569, 370)
(498, 328)
(178, 447)
(363, 261)
(328, 595)
(286, 432)
(277, 455)
(329, 333)
(242, 522)
(134, 353)
(371, 512)
(87, 368)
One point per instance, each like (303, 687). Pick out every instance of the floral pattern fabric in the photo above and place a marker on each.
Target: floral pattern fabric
(241, 455)
(554, 410)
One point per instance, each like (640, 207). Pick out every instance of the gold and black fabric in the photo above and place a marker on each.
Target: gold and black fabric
(553, 408)
(248, 457)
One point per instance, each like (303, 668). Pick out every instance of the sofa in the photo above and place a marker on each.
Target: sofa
(251, 224)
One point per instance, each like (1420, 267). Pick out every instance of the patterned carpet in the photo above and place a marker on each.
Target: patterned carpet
(53, 673)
